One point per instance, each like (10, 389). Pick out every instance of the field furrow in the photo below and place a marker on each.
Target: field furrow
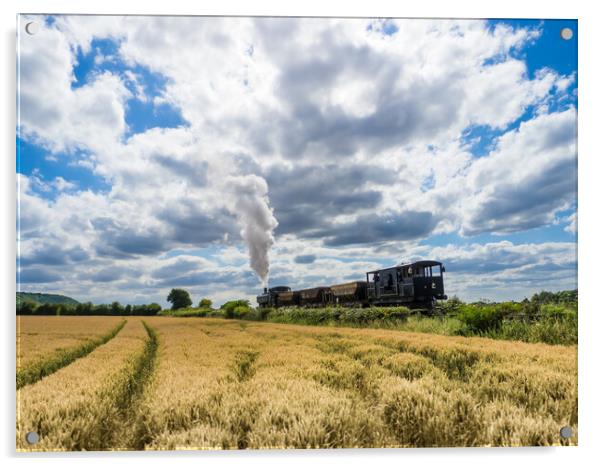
(42, 337)
(80, 407)
(44, 366)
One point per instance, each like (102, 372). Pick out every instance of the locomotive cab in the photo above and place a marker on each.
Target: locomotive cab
(419, 283)
(269, 297)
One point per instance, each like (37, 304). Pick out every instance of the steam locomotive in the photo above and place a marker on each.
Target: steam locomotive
(415, 285)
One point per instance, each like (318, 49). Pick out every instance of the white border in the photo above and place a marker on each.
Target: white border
(590, 234)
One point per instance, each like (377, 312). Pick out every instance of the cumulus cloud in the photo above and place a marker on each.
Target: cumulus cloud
(375, 229)
(51, 111)
(529, 177)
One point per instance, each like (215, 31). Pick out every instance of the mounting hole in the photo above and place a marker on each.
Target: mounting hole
(32, 28)
(32, 438)
(566, 432)
(566, 33)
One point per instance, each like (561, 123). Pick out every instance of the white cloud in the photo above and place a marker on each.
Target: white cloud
(529, 177)
(56, 115)
(572, 223)
(60, 184)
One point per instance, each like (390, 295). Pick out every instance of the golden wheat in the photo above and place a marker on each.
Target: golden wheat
(76, 407)
(41, 337)
(232, 384)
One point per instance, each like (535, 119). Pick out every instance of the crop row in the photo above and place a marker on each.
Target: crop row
(85, 405)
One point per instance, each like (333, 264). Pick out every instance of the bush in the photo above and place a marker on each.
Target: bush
(558, 311)
(560, 297)
(232, 309)
(481, 318)
(187, 312)
(205, 302)
(530, 308)
(240, 312)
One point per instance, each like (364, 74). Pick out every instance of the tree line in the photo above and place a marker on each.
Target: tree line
(87, 309)
(178, 297)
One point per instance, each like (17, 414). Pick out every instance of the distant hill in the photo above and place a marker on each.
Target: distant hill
(43, 298)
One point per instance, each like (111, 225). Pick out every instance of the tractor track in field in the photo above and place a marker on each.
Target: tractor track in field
(33, 373)
(130, 434)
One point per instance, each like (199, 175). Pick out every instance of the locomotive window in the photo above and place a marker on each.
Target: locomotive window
(437, 271)
(389, 282)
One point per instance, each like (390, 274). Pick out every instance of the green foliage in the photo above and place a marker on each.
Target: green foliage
(188, 312)
(241, 311)
(560, 297)
(439, 325)
(87, 309)
(528, 321)
(450, 306)
(545, 330)
(552, 324)
(369, 316)
(117, 309)
(482, 318)
(235, 309)
(146, 309)
(205, 302)
(26, 307)
(179, 298)
(558, 311)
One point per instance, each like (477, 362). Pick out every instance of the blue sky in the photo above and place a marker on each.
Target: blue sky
(182, 153)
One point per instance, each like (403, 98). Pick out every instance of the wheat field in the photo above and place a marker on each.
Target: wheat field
(39, 337)
(200, 383)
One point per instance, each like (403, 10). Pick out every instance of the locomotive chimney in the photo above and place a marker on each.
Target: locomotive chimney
(265, 290)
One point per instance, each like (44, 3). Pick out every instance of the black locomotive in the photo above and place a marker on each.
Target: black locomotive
(417, 285)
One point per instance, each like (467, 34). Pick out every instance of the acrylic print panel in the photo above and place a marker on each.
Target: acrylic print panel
(191, 189)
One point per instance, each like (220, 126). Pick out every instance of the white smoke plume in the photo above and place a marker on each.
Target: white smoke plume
(250, 205)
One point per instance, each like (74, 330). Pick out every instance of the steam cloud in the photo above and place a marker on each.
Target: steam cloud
(256, 219)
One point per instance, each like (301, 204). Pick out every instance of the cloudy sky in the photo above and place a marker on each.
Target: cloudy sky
(160, 152)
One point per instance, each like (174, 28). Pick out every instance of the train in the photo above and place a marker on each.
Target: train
(415, 285)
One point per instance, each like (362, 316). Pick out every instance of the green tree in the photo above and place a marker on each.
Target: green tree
(26, 307)
(116, 308)
(205, 302)
(179, 298)
(153, 309)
